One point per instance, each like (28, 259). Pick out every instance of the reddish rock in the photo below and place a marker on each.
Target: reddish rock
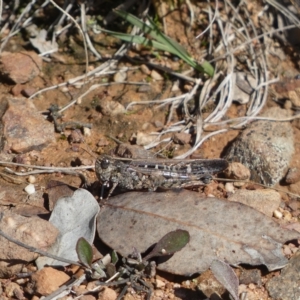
(103, 142)
(294, 205)
(237, 171)
(17, 89)
(48, 280)
(28, 91)
(107, 294)
(24, 128)
(143, 138)
(13, 291)
(32, 231)
(20, 67)
(111, 108)
(292, 176)
(75, 137)
(265, 201)
(181, 138)
(87, 297)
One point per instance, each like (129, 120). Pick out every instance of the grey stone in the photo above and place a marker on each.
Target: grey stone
(250, 276)
(286, 286)
(265, 147)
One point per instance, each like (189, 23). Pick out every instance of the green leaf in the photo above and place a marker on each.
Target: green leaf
(170, 243)
(161, 37)
(137, 39)
(114, 257)
(153, 31)
(84, 252)
(162, 42)
(169, 44)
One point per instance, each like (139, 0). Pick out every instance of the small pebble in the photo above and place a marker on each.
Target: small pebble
(102, 142)
(29, 91)
(30, 189)
(277, 214)
(111, 108)
(242, 288)
(80, 289)
(294, 205)
(229, 187)
(292, 176)
(65, 89)
(91, 286)
(108, 294)
(288, 104)
(287, 250)
(237, 171)
(239, 184)
(159, 293)
(294, 249)
(16, 90)
(287, 215)
(87, 131)
(78, 85)
(187, 87)
(120, 76)
(144, 89)
(175, 86)
(158, 124)
(21, 281)
(145, 126)
(159, 283)
(145, 69)
(75, 137)
(181, 138)
(10, 289)
(31, 179)
(143, 139)
(295, 213)
(155, 75)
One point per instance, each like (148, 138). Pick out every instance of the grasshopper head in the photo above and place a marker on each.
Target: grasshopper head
(104, 167)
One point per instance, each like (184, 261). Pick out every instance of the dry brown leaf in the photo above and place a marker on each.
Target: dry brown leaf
(219, 229)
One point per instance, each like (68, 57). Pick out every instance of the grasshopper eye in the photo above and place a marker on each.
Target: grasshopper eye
(104, 163)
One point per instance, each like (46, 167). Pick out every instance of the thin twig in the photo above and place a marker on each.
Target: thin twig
(1, 10)
(66, 288)
(81, 32)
